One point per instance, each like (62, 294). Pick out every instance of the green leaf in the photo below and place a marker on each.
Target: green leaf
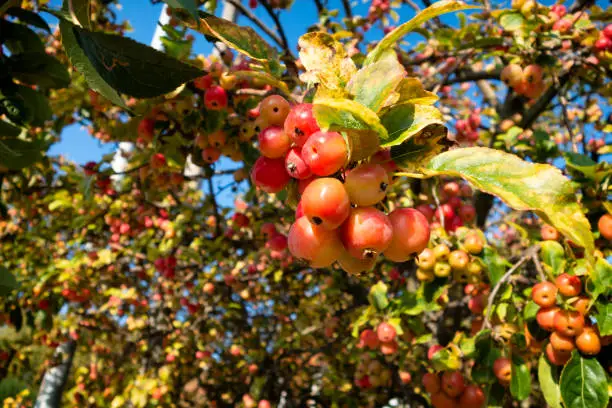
(7, 282)
(446, 360)
(583, 383)
(548, 377)
(28, 17)
(520, 383)
(485, 354)
(37, 104)
(132, 68)
(243, 39)
(522, 185)
(362, 125)
(391, 39)
(604, 319)
(326, 63)
(512, 21)
(581, 163)
(18, 38)
(39, 68)
(496, 265)
(553, 255)
(374, 84)
(8, 130)
(81, 10)
(378, 296)
(411, 90)
(82, 64)
(188, 5)
(496, 395)
(363, 319)
(16, 154)
(418, 150)
(600, 279)
(407, 120)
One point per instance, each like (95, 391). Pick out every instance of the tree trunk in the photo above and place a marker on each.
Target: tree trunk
(50, 393)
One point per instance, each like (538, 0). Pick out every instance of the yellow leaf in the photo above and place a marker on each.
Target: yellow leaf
(522, 185)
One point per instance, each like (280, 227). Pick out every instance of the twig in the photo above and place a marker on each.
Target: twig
(279, 27)
(248, 14)
(434, 193)
(320, 7)
(567, 122)
(542, 103)
(538, 265)
(469, 76)
(529, 254)
(347, 9)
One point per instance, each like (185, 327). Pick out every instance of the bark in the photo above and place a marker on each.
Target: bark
(52, 387)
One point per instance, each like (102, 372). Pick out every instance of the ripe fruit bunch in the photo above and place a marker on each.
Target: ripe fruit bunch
(449, 390)
(467, 129)
(370, 373)
(462, 262)
(455, 209)
(383, 339)
(336, 219)
(528, 82)
(564, 313)
(604, 43)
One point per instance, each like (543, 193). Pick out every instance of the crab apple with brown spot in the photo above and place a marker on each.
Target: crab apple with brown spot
(313, 243)
(326, 203)
(366, 233)
(410, 234)
(274, 110)
(325, 153)
(367, 184)
(295, 164)
(215, 98)
(544, 294)
(453, 383)
(569, 323)
(211, 154)
(546, 317)
(502, 368)
(301, 123)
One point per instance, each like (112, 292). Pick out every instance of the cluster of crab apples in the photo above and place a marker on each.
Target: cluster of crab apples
(564, 313)
(449, 389)
(339, 217)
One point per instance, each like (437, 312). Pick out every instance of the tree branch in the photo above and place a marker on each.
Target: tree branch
(347, 9)
(248, 14)
(529, 254)
(542, 103)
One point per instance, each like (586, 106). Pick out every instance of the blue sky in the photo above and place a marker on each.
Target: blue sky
(77, 145)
